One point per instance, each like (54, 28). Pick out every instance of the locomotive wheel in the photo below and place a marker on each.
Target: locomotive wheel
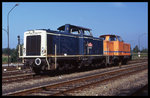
(36, 70)
(125, 62)
(116, 62)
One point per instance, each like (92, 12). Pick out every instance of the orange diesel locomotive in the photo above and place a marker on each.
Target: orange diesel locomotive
(116, 49)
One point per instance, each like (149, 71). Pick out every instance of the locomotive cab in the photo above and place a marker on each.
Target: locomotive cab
(116, 49)
(71, 29)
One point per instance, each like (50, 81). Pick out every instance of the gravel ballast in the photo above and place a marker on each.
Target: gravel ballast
(108, 89)
(120, 87)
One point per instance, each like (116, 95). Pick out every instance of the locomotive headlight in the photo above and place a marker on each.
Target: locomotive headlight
(43, 51)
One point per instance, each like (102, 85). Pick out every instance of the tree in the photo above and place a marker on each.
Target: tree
(136, 49)
(14, 55)
(5, 51)
(144, 50)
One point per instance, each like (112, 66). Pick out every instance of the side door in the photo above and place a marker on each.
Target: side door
(88, 42)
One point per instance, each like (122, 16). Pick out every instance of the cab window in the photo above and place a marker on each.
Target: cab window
(112, 38)
(86, 32)
(103, 38)
(119, 38)
(75, 31)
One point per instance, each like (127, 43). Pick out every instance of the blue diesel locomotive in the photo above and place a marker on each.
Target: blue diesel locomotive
(69, 47)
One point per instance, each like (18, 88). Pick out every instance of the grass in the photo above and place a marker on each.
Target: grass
(5, 59)
(142, 56)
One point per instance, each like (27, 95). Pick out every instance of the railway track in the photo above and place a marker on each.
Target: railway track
(137, 60)
(66, 87)
(14, 78)
(22, 76)
(12, 70)
(15, 72)
(11, 67)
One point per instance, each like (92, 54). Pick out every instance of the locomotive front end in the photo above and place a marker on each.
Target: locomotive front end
(34, 49)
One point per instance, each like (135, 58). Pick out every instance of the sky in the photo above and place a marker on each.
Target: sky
(126, 19)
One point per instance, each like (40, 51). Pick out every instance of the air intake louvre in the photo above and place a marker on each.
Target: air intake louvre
(33, 45)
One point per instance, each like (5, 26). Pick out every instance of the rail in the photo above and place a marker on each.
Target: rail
(65, 87)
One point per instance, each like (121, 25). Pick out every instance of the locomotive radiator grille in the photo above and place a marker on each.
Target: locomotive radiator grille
(33, 45)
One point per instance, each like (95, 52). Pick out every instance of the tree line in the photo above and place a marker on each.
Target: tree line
(13, 54)
(136, 50)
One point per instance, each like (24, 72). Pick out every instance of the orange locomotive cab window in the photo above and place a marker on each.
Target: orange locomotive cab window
(112, 38)
(119, 39)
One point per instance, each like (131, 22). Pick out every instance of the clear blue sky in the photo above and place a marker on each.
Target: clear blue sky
(127, 19)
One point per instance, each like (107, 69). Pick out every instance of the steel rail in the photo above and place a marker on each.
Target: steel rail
(13, 78)
(15, 72)
(60, 84)
(92, 84)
